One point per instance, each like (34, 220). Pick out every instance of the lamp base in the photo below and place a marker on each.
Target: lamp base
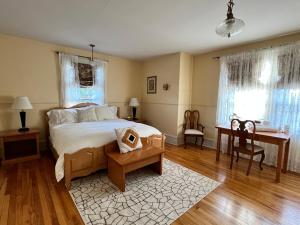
(23, 129)
(23, 122)
(133, 113)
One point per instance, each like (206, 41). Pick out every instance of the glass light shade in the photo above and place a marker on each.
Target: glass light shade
(134, 102)
(230, 27)
(21, 102)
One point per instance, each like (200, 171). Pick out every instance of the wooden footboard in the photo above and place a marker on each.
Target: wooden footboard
(83, 163)
(89, 160)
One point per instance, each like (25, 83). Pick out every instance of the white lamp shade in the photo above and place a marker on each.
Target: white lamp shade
(21, 102)
(134, 102)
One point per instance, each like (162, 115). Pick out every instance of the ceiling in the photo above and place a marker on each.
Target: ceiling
(139, 29)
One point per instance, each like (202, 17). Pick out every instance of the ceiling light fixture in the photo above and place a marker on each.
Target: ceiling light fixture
(230, 26)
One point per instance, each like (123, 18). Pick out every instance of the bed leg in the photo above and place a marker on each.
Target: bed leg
(67, 169)
(68, 184)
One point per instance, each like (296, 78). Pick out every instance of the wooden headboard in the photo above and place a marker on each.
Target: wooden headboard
(81, 105)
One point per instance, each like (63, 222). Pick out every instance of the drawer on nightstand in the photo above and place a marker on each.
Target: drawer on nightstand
(19, 138)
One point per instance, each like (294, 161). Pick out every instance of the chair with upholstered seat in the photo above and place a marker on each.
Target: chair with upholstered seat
(240, 129)
(192, 127)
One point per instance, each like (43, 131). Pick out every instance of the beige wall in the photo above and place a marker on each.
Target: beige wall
(30, 68)
(185, 90)
(206, 80)
(165, 109)
(160, 109)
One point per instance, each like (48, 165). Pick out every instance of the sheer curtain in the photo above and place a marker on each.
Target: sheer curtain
(69, 80)
(264, 85)
(99, 87)
(71, 92)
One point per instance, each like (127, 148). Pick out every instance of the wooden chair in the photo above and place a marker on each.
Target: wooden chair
(243, 146)
(192, 127)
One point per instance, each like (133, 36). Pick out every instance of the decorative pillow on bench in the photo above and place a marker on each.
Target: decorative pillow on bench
(128, 139)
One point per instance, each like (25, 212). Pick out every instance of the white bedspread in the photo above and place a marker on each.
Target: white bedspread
(69, 138)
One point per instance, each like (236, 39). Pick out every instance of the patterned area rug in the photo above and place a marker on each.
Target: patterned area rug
(148, 199)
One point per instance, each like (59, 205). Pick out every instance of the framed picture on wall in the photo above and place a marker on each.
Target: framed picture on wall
(151, 85)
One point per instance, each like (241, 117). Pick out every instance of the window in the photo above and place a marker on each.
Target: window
(236, 77)
(288, 70)
(81, 80)
(264, 85)
(86, 75)
(87, 81)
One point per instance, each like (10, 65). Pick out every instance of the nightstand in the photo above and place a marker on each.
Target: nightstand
(19, 146)
(136, 120)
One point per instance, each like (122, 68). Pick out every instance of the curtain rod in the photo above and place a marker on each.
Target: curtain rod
(86, 57)
(271, 46)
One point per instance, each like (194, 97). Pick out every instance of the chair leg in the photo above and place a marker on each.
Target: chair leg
(184, 141)
(196, 140)
(202, 140)
(237, 156)
(249, 166)
(261, 160)
(232, 155)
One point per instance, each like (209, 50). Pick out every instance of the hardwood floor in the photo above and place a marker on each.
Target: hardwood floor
(29, 193)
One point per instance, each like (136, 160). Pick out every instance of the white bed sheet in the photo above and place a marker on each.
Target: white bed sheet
(69, 138)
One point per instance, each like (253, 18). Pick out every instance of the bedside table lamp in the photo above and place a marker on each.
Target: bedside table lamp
(134, 103)
(22, 103)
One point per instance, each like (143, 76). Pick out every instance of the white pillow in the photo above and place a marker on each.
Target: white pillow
(61, 116)
(128, 139)
(86, 115)
(106, 112)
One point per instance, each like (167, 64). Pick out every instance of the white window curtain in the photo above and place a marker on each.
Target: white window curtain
(71, 93)
(264, 85)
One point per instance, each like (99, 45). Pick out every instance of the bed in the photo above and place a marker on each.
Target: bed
(80, 148)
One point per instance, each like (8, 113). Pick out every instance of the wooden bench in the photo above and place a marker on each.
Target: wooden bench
(121, 164)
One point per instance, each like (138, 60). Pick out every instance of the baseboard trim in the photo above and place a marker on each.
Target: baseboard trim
(178, 140)
(209, 143)
(171, 139)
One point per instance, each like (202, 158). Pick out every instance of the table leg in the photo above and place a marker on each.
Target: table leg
(279, 161)
(229, 145)
(116, 174)
(286, 156)
(158, 166)
(218, 145)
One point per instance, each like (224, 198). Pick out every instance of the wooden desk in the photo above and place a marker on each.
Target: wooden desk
(282, 140)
